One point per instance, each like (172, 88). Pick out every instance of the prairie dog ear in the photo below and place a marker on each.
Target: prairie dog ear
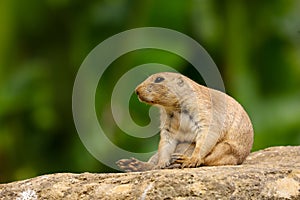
(180, 82)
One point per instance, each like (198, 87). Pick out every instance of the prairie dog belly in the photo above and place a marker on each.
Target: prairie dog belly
(184, 130)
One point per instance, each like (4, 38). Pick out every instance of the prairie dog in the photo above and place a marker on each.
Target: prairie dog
(199, 125)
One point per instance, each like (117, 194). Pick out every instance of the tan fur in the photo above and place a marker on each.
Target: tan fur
(199, 125)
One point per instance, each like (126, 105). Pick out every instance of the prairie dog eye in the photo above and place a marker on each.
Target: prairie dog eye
(159, 79)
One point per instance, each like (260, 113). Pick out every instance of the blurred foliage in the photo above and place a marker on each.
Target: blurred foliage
(255, 44)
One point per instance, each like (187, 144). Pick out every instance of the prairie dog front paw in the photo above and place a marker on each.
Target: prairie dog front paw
(186, 161)
(162, 164)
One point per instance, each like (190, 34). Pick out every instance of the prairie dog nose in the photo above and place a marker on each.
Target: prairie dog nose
(137, 90)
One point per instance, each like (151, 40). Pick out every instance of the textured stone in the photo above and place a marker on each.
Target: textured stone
(273, 173)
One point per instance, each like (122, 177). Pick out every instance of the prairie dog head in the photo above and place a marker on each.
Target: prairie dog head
(163, 89)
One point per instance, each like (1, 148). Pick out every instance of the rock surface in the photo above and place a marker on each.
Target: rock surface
(273, 173)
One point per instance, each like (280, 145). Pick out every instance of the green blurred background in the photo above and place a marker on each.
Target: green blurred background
(255, 44)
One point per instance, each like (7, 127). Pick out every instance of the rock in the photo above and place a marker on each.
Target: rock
(273, 173)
